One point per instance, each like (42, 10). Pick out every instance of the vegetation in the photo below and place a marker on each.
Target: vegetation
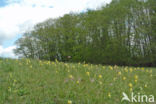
(120, 33)
(27, 81)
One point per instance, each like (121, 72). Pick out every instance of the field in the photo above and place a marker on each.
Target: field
(27, 81)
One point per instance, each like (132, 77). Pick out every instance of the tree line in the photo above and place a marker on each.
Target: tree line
(120, 33)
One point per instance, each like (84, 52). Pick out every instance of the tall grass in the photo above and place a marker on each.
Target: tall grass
(27, 81)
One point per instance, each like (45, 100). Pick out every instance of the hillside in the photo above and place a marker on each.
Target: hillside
(27, 81)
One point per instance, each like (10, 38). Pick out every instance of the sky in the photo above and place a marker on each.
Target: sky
(19, 16)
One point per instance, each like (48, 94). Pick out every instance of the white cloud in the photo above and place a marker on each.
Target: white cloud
(20, 15)
(7, 52)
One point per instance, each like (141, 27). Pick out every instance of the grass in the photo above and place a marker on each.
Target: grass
(27, 81)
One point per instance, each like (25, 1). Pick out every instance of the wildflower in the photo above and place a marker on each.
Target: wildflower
(69, 102)
(130, 85)
(100, 82)
(115, 66)
(136, 80)
(126, 70)
(70, 76)
(136, 77)
(88, 73)
(109, 95)
(100, 76)
(142, 69)
(131, 69)
(145, 85)
(92, 80)
(147, 71)
(56, 60)
(114, 78)
(124, 78)
(119, 73)
(111, 68)
(77, 82)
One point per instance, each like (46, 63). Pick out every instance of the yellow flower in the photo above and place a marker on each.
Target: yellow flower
(111, 68)
(70, 76)
(136, 80)
(100, 82)
(126, 70)
(88, 73)
(119, 73)
(100, 76)
(114, 78)
(124, 78)
(109, 95)
(131, 69)
(145, 85)
(130, 85)
(147, 71)
(136, 77)
(69, 102)
(77, 82)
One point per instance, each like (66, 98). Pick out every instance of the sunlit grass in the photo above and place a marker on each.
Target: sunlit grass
(27, 81)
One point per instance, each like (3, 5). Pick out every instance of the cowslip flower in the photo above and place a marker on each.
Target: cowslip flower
(130, 69)
(77, 82)
(114, 79)
(109, 95)
(119, 73)
(130, 85)
(124, 78)
(69, 102)
(88, 73)
(136, 77)
(126, 70)
(111, 68)
(70, 76)
(100, 76)
(100, 82)
(145, 85)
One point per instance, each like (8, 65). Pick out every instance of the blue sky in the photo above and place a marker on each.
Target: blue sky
(2, 3)
(19, 16)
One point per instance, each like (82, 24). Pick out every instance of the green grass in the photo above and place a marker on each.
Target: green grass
(42, 82)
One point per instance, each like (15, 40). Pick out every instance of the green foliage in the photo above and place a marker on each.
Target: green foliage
(120, 33)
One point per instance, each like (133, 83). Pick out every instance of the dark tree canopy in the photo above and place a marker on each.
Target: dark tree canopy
(120, 33)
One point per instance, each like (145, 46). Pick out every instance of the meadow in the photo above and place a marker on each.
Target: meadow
(25, 81)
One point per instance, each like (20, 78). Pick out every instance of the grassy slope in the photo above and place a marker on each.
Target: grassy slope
(42, 82)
